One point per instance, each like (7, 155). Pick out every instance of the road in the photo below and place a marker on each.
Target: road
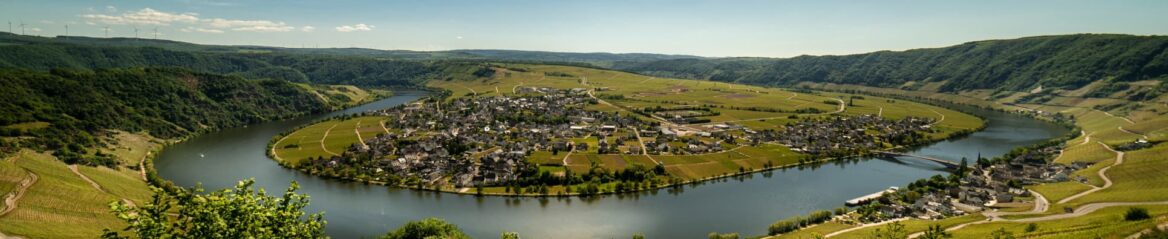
(322, 138)
(1102, 174)
(866, 225)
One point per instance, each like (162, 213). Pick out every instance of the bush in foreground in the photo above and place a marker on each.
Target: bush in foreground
(241, 212)
(429, 228)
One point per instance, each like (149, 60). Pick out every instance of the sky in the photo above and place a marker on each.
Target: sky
(715, 28)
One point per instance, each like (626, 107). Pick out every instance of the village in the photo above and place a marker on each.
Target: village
(490, 141)
(988, 185)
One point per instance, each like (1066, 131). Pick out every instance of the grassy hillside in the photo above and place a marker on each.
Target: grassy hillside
(1106, 123)
(66, 111)
(1066, 61)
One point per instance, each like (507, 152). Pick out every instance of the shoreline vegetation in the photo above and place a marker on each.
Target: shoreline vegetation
(815, 162)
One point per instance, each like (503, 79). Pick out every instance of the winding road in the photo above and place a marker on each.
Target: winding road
(1102, 174)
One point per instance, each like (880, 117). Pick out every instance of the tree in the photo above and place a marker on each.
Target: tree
(510, 235)
(1031, 227)
(893, 230)
(427, 228)
(1001, 233)
(638, 236)
(241, 212)
(936, 232)
(1136, 214)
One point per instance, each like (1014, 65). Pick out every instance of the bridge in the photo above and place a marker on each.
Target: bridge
(947, 163)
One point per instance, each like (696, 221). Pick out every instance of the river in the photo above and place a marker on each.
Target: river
(746, 205)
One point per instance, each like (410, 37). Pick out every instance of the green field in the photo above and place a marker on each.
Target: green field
(326, 139)
(63, 205)
(1139, 178)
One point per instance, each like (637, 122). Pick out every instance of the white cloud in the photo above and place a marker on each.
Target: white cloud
(199, 29)
(34, 29)
(307, 29)
(146, 16)
(111, 9)
(360, 27)
(248, 25)
(458, 37)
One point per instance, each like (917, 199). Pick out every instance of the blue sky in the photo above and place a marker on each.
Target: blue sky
(697, 27)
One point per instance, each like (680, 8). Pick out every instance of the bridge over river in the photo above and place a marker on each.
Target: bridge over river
(946, 163)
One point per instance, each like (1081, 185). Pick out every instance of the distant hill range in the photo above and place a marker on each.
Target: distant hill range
(1051, 62)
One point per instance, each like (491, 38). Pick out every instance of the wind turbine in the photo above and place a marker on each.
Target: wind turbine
(135, 32)
(21, 28)
(107, 32)
(9, 26)
(66, 30)
(155, 33)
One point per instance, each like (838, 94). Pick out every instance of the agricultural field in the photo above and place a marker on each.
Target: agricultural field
(61, 203)
(327, 139)
(342, 96)
(1138, 179)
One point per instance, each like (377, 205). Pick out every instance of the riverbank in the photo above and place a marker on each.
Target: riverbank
(606, 189)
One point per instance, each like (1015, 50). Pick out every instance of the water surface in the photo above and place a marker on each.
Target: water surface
(745, 205)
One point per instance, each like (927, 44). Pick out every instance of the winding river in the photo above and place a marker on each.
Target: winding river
(746, 205)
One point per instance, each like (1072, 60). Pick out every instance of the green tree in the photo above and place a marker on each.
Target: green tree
(638, 236)
(936, 232)
(242, 212)
(1031, 227)
(1001, 233)
(1136, 214)
(432, 228)
(893, 230)
(510, 235)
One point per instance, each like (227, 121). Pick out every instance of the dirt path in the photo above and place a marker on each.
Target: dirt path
(326, 133)
(1129, 121)
(793, 94)
(357, 130)
(938, 113)
(1040, 206)
(514, 89)
(650, 78)
(1145, 137)
(1102, 174)
(382, 123)
(83, 177)
(1086, 209)
(881, 112)
(12, 199)
(644, 151)
(866, 225)
(273, 149)
(142, 165)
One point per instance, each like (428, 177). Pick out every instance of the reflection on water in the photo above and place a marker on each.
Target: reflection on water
(745, 204)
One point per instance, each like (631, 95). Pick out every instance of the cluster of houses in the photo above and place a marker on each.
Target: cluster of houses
(864, 132)
(988, 186)
(478, 140)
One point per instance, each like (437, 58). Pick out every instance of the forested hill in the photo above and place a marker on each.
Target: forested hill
(1066, 61)
(66, 110)
(596, 59)
(360, 71)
